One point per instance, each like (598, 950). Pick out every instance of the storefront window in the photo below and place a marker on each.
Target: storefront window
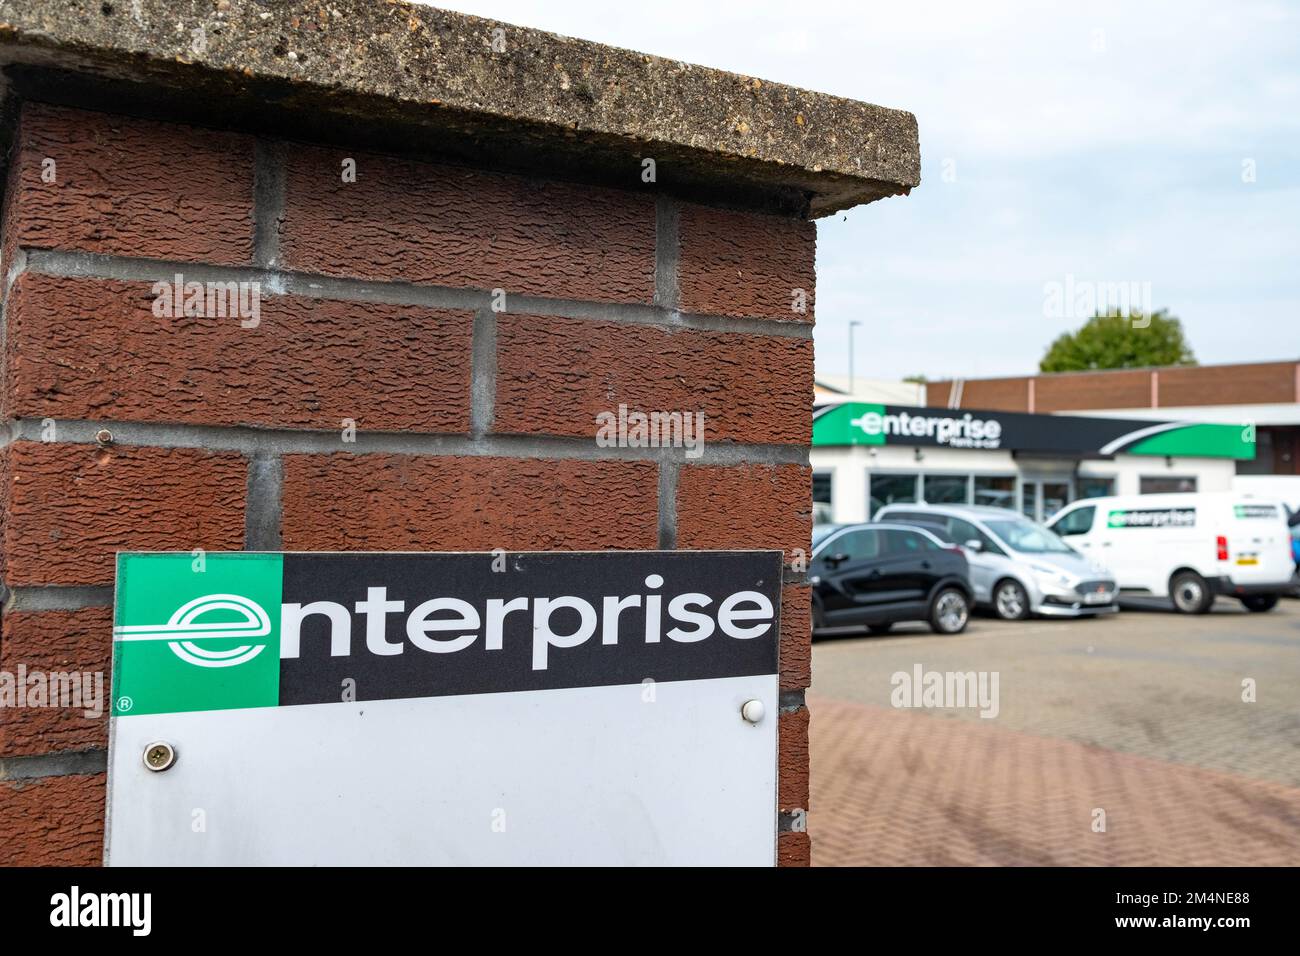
(1166, 484)
(1029, 500)
(892, 489)
(996, 491)
(823, 512)
(1267, 461)
(946, 489)
(1040, 498)
(1056, 495)
(822, 487)
(1090, 487)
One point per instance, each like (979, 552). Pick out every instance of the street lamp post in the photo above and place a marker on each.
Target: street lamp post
(852, 381)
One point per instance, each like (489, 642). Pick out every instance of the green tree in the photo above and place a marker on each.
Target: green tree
(1112, 340)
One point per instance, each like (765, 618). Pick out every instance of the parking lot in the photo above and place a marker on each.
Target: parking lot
(1117, 741)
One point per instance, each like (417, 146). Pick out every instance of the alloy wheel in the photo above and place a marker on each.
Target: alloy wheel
(951, 612)
(1010, 601)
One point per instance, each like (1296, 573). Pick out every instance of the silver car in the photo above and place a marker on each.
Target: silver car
(1017, 567)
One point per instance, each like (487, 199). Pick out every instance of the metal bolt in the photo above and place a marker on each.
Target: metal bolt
(159, 756)
(104, 436)
(752, 711)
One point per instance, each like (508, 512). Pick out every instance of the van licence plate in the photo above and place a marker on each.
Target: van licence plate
(1250, 560)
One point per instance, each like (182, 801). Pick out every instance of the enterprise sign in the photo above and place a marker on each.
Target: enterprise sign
(266, 630)
(964, 432)
(864, 423)
(528, 708)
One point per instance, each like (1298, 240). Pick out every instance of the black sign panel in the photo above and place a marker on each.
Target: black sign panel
(382, 626)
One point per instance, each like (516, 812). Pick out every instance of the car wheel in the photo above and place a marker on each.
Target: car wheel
(1011, 601)
(1260, 602)
(1190, 592)
(880, 628)
(949, 611)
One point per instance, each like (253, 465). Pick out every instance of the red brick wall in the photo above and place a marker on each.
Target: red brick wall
(999, 394)
(1117, 389)
(474, 428)
(1262, 383)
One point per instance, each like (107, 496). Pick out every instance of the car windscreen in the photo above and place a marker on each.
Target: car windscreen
(934, 523)
(821, 532)
(1027, 537)
(936, 528)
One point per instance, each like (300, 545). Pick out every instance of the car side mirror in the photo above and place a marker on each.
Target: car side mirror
(835, 560)
(974, 544)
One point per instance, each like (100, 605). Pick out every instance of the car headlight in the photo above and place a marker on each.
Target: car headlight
(1054, 577)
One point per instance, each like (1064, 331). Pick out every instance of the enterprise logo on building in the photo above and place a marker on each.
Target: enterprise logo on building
(964, 432)
(845, 424)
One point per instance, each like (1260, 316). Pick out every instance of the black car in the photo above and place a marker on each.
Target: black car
(877, 574)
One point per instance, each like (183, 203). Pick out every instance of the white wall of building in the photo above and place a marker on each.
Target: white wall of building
(1288, 414)
(1212, 474)
(885, 391)
(850, 469)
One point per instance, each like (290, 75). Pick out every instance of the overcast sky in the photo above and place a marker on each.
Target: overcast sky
(1107, 141)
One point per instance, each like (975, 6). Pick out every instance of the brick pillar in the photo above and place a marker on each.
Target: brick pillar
(432, 345)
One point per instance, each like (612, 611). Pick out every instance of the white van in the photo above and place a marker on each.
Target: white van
(1285, 487)
(1188, 547)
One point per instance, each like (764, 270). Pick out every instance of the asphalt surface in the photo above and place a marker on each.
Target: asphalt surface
(1141, 711)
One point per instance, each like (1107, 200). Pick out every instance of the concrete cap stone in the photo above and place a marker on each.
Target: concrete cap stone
(427, 80)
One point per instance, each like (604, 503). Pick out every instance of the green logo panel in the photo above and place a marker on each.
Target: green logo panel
(1200, 441)
(853, 423)
(196, 633)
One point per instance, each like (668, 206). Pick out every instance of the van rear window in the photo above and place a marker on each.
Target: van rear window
(1152, 518)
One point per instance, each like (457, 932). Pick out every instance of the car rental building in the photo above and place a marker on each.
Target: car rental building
(867, 454)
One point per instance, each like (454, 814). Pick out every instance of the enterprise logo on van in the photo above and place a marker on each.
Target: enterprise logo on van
(964, 432)
(1255, 511)
(1153, 518)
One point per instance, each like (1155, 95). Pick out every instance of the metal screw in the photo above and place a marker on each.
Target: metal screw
(159, 756)
(104, 436)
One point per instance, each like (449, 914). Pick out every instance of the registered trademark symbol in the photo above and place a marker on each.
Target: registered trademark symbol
(125, 703)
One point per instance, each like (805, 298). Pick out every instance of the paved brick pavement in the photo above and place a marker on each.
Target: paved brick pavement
(1139, 716)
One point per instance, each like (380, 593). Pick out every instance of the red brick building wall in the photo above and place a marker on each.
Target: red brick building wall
(474, 428)
(1256, 383)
